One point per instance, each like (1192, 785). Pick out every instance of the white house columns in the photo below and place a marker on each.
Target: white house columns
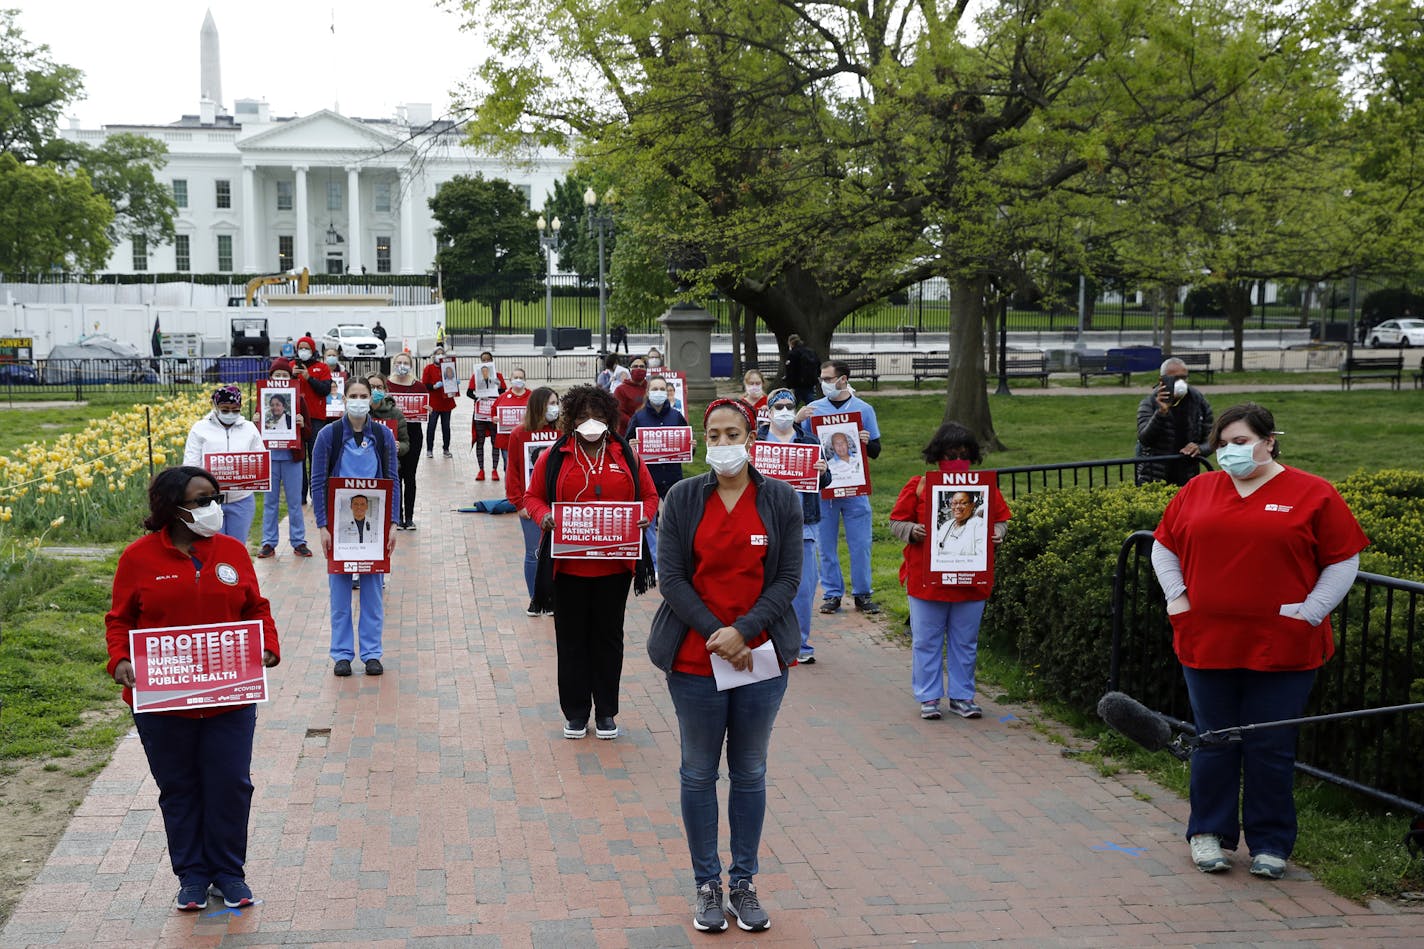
(408, 197)
(303, 242)
(355, 240)
(250, 199)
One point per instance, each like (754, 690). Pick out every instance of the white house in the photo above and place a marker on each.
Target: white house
(258, 194)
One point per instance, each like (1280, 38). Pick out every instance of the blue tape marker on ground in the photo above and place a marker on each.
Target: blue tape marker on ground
(224, 911)
(1119, 848)
(1008, 718)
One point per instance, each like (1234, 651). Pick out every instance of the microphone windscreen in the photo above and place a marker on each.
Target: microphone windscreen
(1131, 719)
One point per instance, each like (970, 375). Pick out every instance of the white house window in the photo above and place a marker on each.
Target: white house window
(383, 254)
(382, 201)
(140, 253)
(223, 193)
(333, 196)
(182, 253)
(284, 196)
(286, 253)
(180, 192)
(528, 192)
(225, 253)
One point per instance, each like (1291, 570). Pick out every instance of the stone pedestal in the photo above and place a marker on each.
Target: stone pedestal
(688, 328)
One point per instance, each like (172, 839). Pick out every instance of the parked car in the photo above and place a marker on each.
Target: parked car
(1402, 333)
(350, 341)
(18, 374)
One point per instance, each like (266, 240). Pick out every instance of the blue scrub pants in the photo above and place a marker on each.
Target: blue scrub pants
(806, 592)
(237, 517)
(943, 635)
(286, 480)
(856, 514)
(372, 619)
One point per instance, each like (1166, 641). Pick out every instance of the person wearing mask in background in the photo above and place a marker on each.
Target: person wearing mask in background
(632, 393)
(730, 562)
(354, 447)
(591, 462)
(486, 383)
(838, 397)
(801, 367)
(654, 359)
(222, 430)
(657, 412)
(540, 416)
(781, 406)
(385, 411)
(1252, 560)
(286, 480)
(754, 394)
(605, 375)
(516, 396)
(313, 386)
(184, 573)
(442, 403)
(944, 620)
(1173, 419)
(403, 380)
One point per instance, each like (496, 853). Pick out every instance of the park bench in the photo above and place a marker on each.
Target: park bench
(1107, 365)
(862, 367)
(1027, 366)
(929, 367)
(1372, 367)
(1198, 364)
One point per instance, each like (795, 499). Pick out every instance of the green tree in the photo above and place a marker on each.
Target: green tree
(488, 245)
(122, 169)
(49, 220)
(34, 91)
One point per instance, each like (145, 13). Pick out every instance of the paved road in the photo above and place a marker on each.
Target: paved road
(440, 806)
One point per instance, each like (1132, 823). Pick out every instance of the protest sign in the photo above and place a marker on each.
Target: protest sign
(839, 436)
(794, 464)
(669, 445)
(538, 443)
(508, 417)
(276, 414)
(359, 515)
(597, 530)
(240, 470)
(957, 529)
(415, 406)
(205, 666)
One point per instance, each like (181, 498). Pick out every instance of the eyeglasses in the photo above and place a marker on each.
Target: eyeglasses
(203, 501)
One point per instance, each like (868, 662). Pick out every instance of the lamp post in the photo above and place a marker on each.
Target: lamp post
(600, 224)
(550, 242)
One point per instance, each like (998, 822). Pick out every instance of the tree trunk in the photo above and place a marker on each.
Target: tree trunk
(1307, 297)
(967, 401)
(494, 318)
(1169, 316)
(749, 339)
(1235, 298)
(734, 318)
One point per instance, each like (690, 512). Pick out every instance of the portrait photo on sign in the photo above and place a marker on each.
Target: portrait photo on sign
(845, 460)
(360, 527)
(960, 541)
(277, 418)
(532, 451)
(447, 375)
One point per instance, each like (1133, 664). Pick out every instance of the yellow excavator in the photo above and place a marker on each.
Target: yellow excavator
(257, 283)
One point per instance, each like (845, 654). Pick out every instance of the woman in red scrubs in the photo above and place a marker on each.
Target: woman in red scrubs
(729, 564)
(1252, 558)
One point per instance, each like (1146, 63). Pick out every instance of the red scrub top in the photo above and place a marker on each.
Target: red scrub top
(910, 506)
(1244, 558)
(728, 568)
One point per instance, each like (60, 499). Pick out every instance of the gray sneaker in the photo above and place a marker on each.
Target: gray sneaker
(929, 710)
(965, 708)
(743, 903)
(709, 916)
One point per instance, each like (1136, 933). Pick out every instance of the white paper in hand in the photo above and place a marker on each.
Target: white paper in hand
(764, 666)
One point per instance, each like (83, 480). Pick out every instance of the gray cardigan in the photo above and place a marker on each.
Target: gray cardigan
(681, 512)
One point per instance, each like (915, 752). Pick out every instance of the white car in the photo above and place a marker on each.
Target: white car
(351, 341)
(1402, 333)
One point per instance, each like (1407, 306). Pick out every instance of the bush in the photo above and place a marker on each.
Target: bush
(1389, 303)
(1202, 301)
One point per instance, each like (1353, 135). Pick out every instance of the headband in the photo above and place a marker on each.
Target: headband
(737, 404)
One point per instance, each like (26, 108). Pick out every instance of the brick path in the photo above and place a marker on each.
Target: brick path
(440, 806)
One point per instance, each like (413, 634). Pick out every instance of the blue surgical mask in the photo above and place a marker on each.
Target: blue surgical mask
(376, 396)
(828, 389)
(657, 398)
(1238, 460)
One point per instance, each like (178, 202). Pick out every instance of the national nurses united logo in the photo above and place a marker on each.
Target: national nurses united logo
(227, 573)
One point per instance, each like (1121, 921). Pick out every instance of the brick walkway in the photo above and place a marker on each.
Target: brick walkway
(440, 806)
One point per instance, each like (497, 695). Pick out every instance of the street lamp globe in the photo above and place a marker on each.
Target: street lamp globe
(590, 198)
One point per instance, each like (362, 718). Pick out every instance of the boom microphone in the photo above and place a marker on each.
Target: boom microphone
(1131, 719)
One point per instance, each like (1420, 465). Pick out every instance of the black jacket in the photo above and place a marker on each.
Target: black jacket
(1159, 434)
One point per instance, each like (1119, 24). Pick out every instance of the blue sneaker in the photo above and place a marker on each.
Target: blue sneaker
(929, 711)
(965, 708)
(234, 893)
(192, 897)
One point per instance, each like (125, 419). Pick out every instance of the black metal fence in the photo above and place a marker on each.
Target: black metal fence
(1085, 474)
(1378, 661)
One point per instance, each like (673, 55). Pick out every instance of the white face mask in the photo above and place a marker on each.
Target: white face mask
(402, 369)
(332, 361)
(358, 408)
(828, 389)
(229, 418)
(304, 354)
(591, 429)
(658, 398)
(754, 391)
(207, 520)
(552, 412)
(517, 383)
(727, 460)
(782, 419)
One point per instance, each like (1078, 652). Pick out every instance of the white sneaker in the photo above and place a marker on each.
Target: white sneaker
(1268, 865)
(1207, 854)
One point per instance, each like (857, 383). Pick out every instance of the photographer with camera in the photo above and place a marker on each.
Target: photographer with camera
(1173, 418)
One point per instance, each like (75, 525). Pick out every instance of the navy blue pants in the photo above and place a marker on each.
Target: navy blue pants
(203, 768)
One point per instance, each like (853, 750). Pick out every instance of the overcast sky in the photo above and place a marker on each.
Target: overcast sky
(140, 59)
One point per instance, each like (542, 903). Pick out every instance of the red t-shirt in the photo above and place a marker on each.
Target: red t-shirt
(728, 568)
(315, 405)
(440, 400)
(514, 473)
(504, 399)
(910, 506)
(1245, 558)
(581, 479)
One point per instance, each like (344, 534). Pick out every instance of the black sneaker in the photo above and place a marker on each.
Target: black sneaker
(233, 893)
(605, 728)
(410, 525)
(400, 525)
(831, 604)
(576, 729)
(866, 605)
(192, 897)
(532, 610)
(743, 903)
(342, 668)
(374, 667)
(709, 917)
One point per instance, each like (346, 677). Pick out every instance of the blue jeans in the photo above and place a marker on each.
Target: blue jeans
(856, 513)
(806, 592)
(203, 769)
(532, 535)
(373, 615)
(742, 719)
(650, 535)
(933, 626)
(286, 479)
(1263, 761)
(237, 517)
